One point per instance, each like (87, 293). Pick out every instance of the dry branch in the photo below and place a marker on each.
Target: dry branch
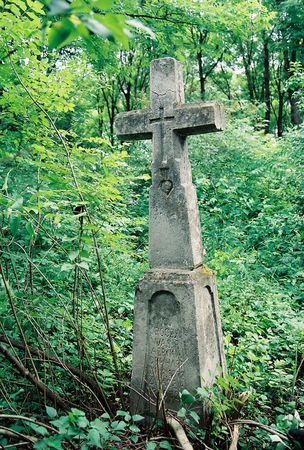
(51, 395)
(16, 435)
(13, 308)
(28, 419)
(252, 423)
(179, 433)
(235, 437)
(45, 357)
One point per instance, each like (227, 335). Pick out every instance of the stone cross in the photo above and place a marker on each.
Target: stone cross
(173, 207)
(177, 333)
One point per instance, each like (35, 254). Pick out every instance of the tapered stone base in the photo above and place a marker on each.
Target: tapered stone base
(177, 337)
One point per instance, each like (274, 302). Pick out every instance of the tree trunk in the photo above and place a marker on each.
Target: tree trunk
(294, 108)
(127, 94)
(246, 63)
(280, 114)
(266, 87)
(295, 115)
(100, 107)
(202, 79)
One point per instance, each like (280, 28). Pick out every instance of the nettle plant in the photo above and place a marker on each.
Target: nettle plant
(230, 409)
(77, 431)
(74, 430)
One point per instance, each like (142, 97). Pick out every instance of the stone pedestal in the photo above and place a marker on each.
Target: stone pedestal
(177, 336)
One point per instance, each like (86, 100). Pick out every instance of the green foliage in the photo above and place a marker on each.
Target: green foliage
(81, 18)
(74, 208)
(76, 430)
(249, 189)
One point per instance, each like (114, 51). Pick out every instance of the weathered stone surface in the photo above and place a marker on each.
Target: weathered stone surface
(177, 336)
(195, 119)
(134, 125)
(177, 331)
(174, 233)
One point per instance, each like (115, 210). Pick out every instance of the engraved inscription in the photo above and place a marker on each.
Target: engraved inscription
(166, 353)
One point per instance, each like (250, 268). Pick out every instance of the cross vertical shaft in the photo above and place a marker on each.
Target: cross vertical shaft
(174, 237)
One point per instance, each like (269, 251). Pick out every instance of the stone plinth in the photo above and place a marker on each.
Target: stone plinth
(177, 336)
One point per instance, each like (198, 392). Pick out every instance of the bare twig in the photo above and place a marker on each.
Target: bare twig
(12, 305)
(28, 419)
(252, 423)
(16, 435)
(55, 398)
(17, 444)
(81, 376)
(82, 200)
(169, 384)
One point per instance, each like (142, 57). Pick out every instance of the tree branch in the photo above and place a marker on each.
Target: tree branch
(252, 423)
(45, 357)
(179, 433)
(51, 395)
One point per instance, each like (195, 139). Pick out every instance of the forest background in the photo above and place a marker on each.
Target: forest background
(74, 208)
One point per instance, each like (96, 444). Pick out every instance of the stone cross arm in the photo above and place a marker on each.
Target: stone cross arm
(186, 119)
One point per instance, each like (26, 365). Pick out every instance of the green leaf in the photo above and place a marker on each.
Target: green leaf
(73, 255)
(115, 439)
(187, 398)
(51, 412)
(61, 33)
(38, 428)
(182, 412)
(115, 23)
(5, 184)
(66, 267)
(18, 204)
(165, 444)
(94, 438)
(75, 412)
(134, 438)
(102, 4)
(202, 392)
(151, 446)
(83, 265)
(137, 417)
(50, 442)
(134, 428)
(82, 422)
(96, 27)
(62, 423)
(100, 426)
(14, 224)
(195, 416)
(30, 229)
(118, 425)
(140, 26)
